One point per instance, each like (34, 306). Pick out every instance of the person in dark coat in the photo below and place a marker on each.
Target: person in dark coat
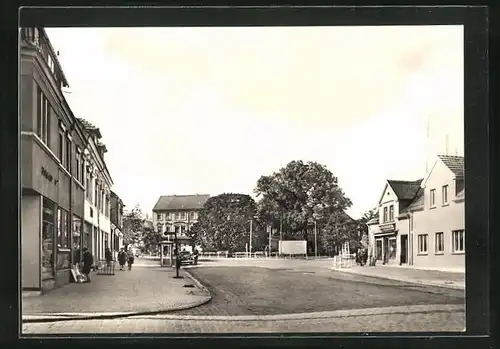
(122, 258)
(195, 255)
(130, 259)
(88, 260)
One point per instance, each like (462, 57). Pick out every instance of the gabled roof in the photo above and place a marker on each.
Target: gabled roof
(417, 203)
(180, 202)
(455, 164)
(405, 190)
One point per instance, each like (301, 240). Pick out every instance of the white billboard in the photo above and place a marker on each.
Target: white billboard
(296, 247)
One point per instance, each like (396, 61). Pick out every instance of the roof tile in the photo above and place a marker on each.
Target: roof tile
(180, 202)
(454, 163)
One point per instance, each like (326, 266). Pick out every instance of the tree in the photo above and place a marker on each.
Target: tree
(150, 237)
(297, 195)
(223, 223)
(133, 224)
(338, 229)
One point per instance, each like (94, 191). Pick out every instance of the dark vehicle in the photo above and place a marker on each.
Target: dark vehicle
(186, 257)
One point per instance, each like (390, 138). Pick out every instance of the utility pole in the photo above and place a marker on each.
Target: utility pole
(270, 237)
(281, 232)
(251, 232)
(315, 239)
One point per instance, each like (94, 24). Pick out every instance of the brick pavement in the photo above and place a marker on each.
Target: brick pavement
(413, 275)
(418, 320)
(140, 290)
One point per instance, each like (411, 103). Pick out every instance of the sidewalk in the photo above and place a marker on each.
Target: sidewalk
(140, 290)
(407, 274)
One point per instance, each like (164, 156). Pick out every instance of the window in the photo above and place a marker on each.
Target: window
(183, 215)
(458, 237)
(439, 243)
(68, 155)
(385, 214)
(192, 215)
(82, 169)
(422, 243)
(445, 194)
(62, 226)
(62, 148)
(177, 215)
(391, 213)
(76, 244)
(78, 167)
(42, 117)
(159, 216)
(48, 218)
(88, 187)
(94, 201)
(432, 198)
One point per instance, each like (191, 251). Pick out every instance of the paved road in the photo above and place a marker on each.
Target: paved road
(415, 322)
(263, 291)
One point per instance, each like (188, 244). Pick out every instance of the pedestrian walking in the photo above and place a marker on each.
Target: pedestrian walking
(130, 259)
(195, 255)
(108, 256)
(122, 258)
(88, 260)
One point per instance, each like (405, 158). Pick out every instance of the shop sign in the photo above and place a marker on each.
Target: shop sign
(48, 176)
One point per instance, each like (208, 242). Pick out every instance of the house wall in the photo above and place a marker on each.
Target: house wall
(30, 241)
(388, 198)
(441, 218)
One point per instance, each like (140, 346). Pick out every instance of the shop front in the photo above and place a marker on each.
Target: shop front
(386, 251)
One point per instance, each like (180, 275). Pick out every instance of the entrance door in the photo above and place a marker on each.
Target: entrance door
(404, 249)
(379, 250)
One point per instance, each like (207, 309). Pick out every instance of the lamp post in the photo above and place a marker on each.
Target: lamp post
(315, 239)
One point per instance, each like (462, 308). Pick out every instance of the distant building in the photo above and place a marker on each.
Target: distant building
(116, 218)
(178, 213)
(422, 223)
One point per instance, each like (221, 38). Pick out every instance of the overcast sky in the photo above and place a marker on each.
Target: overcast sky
(210, 110)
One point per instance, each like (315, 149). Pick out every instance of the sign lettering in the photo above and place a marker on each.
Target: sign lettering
(47, 175)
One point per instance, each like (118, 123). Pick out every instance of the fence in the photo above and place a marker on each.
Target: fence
(344, 260)
(253, 255)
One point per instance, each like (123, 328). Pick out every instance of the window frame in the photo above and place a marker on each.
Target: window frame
(385, 210)
(432, 198)
(462, 236)
(439, 234)
(422, 238)
(444, 195)
(391, 213)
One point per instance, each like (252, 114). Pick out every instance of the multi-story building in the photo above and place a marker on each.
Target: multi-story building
(52, 174)
(428, 230)
(98, 183)
(435, 221)
(390, 246)
(178, 213)
(116, 223)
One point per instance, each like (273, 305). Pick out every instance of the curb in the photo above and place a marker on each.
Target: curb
(405, 309)
(416, 282)
(197, 283)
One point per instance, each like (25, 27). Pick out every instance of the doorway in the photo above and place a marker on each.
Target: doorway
(404, 249)
(378, 251)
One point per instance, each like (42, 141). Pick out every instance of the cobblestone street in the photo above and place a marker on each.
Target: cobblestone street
(452, 320)
(264, 291)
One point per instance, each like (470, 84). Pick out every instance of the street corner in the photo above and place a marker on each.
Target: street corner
(197, 284)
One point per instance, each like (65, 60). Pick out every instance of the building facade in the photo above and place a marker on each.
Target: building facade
(436, 219)
(52, 185)
(389, 238)
(97, 206)
(116, 218)
(178, 213)
(428, 230)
